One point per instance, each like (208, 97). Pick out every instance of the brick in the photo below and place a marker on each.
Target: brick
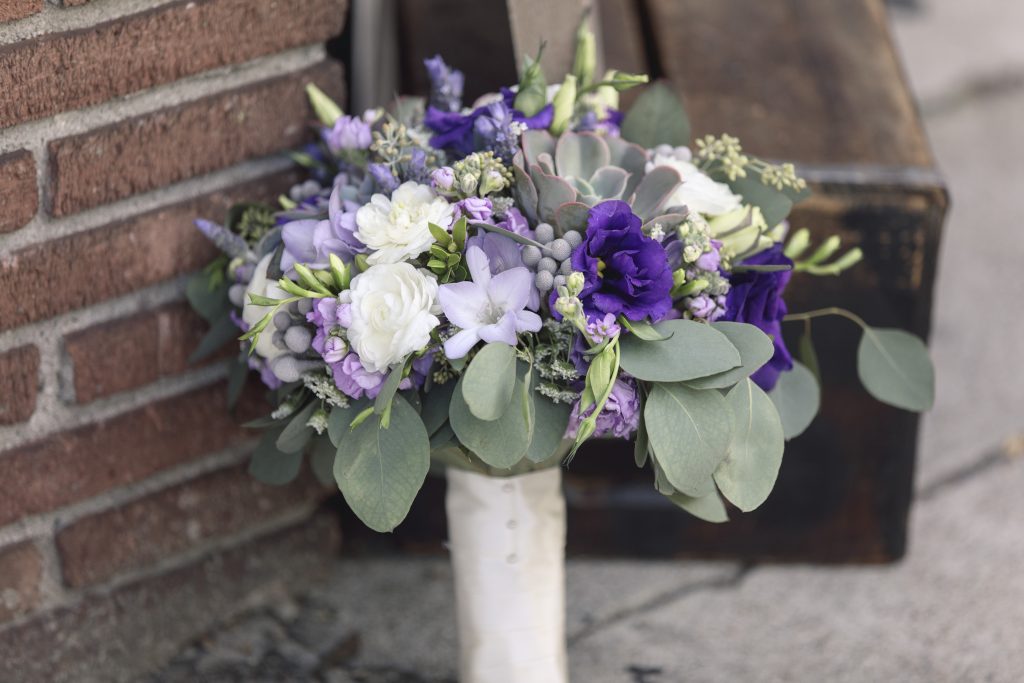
(96, 548)
(78, 464)
(18, 189)
(127, 353)
(116, 259)
(19, 384)
(18, 9)
(21, 568)
(166, 146)
(63, 71)
(124, 634)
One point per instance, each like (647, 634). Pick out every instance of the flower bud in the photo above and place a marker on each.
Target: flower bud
(575, 282)
(443, 179)
(468, 183)
(569, 306)
(564, 103)
(492, 182)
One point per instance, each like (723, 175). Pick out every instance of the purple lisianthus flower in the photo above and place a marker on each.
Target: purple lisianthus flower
(348, 132)
(456, 132)
(310, 242)
(756, 298)
(609, 125)
(488, 308)
(475, 208)
(625, 271)
(620, 416)
(446, 84)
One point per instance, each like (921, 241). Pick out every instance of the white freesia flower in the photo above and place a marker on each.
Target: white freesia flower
(251, 313)
(698, 192)
(394, 308)
(396, 229)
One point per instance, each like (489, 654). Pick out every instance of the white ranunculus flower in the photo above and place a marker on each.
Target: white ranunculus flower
(396, 229)
(394, 308)
(698, 192)
(251, 313)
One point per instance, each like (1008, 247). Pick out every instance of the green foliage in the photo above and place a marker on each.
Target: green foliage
(657, 118)
(548, 430)
(238, 370)
(748, 473)
(435, 406)
(709, 507)
(755, 349)
(220, 333)
(208, 295)
(341, 417)
(297, 433)
(385, 398)
(895, 368)
(689, 432)
(380, 471)
(775, 204)
(797, 398)
(271, 466)
(489, 381)
(321, 459)
(446, 253)
(690, 350)
(532, 94)
(500, 443)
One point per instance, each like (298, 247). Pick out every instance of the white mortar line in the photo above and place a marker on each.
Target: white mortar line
(55, 19)
(35, 135)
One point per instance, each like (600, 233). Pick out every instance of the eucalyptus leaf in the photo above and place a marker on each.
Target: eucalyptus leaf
(642, 444)
(341, 417)
(775, 205)
(382, 404)
(500, 443)
(748, 473)
(755, 349)
(271, 466)
(380, 471)
(549, 429)
(321, 459)
(895, 368)
(657, 118)
(690, 350)
(297, 433)
(238, 371)
(489, 380)
(443, 436)
(689, 431)
(709, 507)
(211, 303)
(515, 237)
(797, 397)
(435, 405)
(222, 332)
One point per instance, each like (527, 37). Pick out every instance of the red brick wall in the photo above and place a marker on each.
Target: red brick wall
(122, 481)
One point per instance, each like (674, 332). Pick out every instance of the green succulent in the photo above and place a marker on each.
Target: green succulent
(557, 182)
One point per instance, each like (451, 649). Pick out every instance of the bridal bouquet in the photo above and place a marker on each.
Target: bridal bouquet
(492, 285)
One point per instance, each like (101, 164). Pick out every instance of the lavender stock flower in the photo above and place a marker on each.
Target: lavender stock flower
(488, 308)
(348, 132)
(620, 416)
(446, 84)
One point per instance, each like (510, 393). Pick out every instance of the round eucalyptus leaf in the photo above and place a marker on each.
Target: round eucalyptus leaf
(435, 405)
(321, 459)
(755, 349)
(550, 420)
(489, 381)
(748, 473)
(797, 398)
(380, 471)
(689, 431)
(709, 508)
(500, 443)
(297, 433)
(271, 466)
(895, 368)
(657, 118)
(690, 350)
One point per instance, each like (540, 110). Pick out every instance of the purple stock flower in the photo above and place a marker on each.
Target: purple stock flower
(494, 131)
(603, 328)
(354, 380)
(756, 298)
(310, 242)
(442, 179)
(516, 222)
(457, 132)
(475, 208)
(383, 177)
(488, 308)
(446, 84)
(710, 260)
(624, 270)
(620, 416)
(348, 132)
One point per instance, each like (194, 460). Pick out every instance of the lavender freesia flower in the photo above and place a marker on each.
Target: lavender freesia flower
(348, 132)
(756, 298)
(446, 84)
(620, 416)
(488, 308)
(310, 242)
(625, 271)
(503, 254)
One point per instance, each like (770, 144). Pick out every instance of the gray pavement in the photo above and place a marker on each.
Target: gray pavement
(952, 611)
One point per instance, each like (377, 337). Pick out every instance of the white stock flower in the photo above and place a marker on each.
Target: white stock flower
(394, 308)
(698, 192)
(251, 313)
(396, 229)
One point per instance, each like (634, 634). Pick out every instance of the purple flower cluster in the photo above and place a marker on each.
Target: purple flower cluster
(620, 416)
(488, 127)
(310, 241)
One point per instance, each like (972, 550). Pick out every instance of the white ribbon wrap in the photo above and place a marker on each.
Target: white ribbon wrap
(507, 538)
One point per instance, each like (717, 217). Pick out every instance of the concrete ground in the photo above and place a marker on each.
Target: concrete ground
(952, 611)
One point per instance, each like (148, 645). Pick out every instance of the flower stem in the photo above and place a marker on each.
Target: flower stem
(821, 312)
